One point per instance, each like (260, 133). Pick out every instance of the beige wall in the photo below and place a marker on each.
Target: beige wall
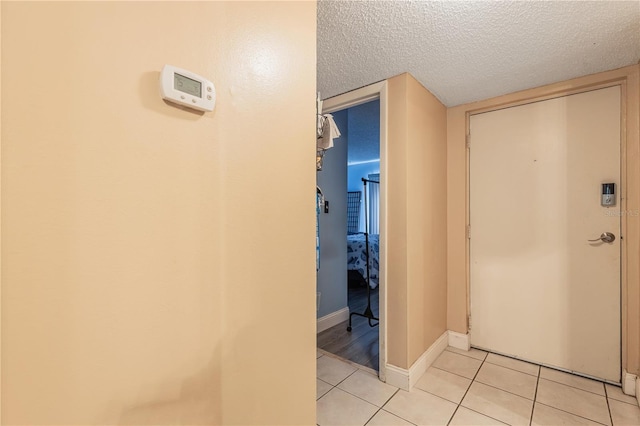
(417, 220)
(0, 218)
(397, 290)
(457, 197)
(157, 264)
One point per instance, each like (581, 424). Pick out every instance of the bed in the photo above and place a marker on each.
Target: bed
(357, 257)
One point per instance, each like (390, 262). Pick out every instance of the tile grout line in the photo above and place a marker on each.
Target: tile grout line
(541, 366)
(482, 414)
(374, 414)
(336, 386)
(468, 356)
(451, 372)
(539, 375)
(511, 393)
(574, 387)
(535, 396)
(471, 409)
(368, 402)
(323, 381)
(505, 391)
(513, 357)
(606, 391)
(493, 363)
(513, 369)
(467, 391)
(474, 379)
(438, 396)
(606, 397)
(349, 393)
(394, 414)
(321, 396)
(348, 375)
(432, 394)
(360, 398)
(380, 408)
(635, 404)
(569, 412)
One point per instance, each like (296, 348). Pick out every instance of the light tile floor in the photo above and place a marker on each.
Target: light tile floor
(468, 388)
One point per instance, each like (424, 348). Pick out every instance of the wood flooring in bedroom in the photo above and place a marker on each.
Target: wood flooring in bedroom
(361, 344)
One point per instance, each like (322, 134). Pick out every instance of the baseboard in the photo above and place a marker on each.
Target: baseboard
(334, 318)
(398, 377)
(459, 340)
(629, 383)
(406, 379)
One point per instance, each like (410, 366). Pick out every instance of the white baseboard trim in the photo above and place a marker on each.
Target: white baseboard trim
(629, 381)
(459, 340)
(406, 379)
(398, 377)
(334, 318)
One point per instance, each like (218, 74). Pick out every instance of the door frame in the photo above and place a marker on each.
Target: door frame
(348, 100)
(621, 207)
(629, 185)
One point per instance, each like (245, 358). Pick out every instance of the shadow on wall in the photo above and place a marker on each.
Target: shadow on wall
(194, 400)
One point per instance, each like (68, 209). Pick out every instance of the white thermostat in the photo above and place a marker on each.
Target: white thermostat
(186, 88)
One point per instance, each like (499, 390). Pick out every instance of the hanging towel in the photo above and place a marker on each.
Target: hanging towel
(330, 132)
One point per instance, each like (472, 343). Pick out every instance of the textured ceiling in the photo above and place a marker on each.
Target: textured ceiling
(472, 50)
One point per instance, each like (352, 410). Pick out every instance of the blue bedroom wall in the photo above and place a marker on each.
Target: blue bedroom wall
(355, 173)
(363, 152)
(332, 276)
(364, 132)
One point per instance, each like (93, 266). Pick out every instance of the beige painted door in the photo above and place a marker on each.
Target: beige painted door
(539, 290)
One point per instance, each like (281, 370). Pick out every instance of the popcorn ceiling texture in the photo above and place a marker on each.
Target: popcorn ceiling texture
(468, 51)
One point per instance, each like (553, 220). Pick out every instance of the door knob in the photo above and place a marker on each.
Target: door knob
(606, 237)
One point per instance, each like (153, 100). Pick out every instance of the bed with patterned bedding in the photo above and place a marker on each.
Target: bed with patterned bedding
(356, 256)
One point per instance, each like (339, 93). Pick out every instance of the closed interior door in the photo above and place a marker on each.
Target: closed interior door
(539, 290)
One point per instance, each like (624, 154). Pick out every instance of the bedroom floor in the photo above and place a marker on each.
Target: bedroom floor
(469, 388)
(361, 344)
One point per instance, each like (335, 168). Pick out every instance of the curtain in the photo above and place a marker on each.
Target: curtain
(373, 192)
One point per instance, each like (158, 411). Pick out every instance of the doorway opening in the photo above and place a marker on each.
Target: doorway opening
(351, 280)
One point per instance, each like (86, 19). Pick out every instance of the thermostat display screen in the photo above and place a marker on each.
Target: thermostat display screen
(187, 85)
(186, 88)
